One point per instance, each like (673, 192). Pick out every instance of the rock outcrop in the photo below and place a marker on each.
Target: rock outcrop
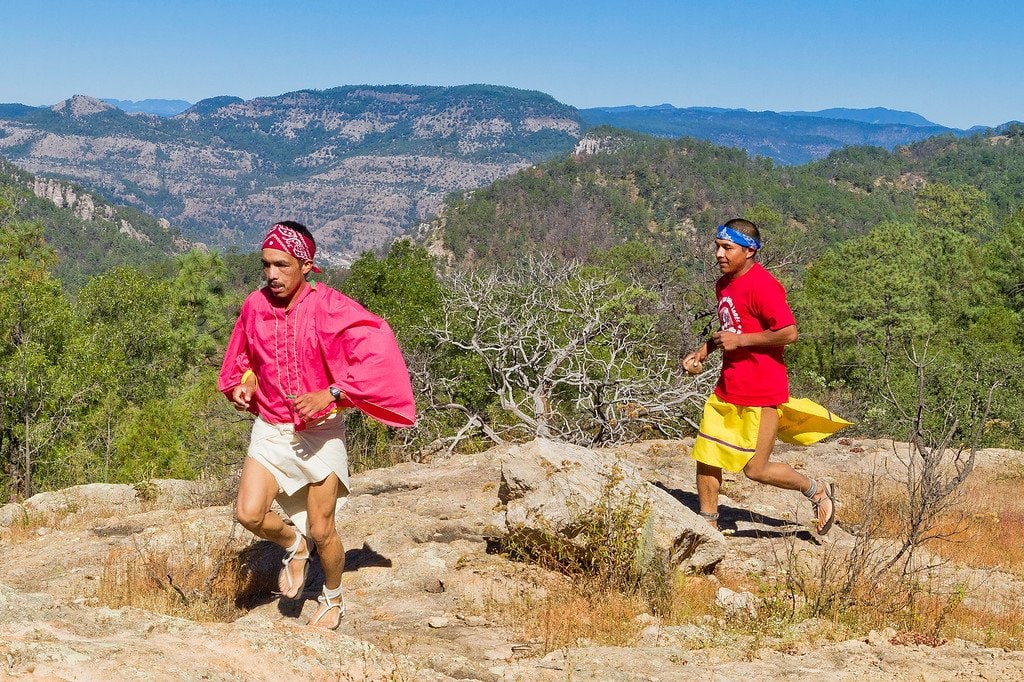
(552, 492)
(428, 598)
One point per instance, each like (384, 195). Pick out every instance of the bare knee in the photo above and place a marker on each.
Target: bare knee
(756, 473)
(250, 516)
(323, 531)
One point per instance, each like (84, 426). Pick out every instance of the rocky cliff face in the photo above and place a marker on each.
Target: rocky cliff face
(84, 205)
(358, 164)
(88, 215)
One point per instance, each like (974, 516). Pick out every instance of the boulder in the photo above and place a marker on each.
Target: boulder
(736, 604)
(550, 490)
(108, 498)
(10, 514)
(170, 493)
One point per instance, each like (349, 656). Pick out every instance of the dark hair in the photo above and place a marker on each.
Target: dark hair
(298, 227)
(745, 226)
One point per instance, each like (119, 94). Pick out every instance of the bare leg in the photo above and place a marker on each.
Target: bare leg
(322, 500)
(780, 474)
(709, 482)
(256, 491)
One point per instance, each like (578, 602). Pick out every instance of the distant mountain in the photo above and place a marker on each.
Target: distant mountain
(159, 107)
(785, 138)
(878, 115)
(360, 164)
(89, 233)
(363, 164)
(15, 110)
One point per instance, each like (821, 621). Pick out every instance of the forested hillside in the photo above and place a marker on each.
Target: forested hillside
(620, 186)
(556, 303)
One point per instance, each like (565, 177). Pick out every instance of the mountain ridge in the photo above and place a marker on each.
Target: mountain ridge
(790, 138)
(877, 115)
(157, 107)
(362, 163)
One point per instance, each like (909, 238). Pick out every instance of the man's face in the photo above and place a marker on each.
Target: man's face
(284, 273)
(732, 258)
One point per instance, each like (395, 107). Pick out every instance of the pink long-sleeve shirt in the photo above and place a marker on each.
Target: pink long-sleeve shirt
(324, 339)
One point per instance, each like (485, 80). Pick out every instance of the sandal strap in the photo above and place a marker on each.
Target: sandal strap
(291, 553)
(324, 599)
(812, 490)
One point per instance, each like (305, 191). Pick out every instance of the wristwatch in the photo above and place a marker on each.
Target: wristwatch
(335, 392)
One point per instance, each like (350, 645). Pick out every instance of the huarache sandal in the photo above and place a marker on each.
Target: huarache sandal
(328, 599)
(830, 494)
(290, 588)
(711, 518)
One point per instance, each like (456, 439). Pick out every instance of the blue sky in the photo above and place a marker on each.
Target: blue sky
(955, 63)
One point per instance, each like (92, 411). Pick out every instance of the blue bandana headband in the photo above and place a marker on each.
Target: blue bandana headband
(737, 237)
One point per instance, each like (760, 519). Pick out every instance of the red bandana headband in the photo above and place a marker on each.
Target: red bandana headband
(284, 238)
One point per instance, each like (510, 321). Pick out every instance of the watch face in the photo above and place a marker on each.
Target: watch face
(335, 392)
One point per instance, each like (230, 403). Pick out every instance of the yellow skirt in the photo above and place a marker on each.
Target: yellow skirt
(728, 433)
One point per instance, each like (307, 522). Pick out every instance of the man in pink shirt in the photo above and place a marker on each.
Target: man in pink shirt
(299, 354)
(741, 417)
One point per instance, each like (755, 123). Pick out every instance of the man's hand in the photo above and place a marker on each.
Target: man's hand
(241, 395)
(770, 338)
(727, 340)
(694, 362)
(308, 405)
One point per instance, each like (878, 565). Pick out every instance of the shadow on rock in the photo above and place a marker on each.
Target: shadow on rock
(260, 564)
(754, 524)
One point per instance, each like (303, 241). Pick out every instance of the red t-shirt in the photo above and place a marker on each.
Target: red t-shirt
(753, 302)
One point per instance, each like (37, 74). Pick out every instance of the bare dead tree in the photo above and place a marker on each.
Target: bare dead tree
(932, 468)
(936, 466)
(569, 356)
(443, 423)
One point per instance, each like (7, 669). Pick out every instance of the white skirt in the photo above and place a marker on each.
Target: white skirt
(298, 458)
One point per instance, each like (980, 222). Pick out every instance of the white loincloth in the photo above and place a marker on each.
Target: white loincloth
(298, 458)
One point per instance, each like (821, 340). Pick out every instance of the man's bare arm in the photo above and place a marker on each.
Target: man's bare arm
(765, 339)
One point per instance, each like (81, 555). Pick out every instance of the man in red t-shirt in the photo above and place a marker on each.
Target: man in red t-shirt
(741, 418)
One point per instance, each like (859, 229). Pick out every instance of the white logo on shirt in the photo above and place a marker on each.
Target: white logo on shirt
(728, 317)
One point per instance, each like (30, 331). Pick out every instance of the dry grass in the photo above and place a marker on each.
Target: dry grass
(981, 530)
(887, 503)
(984, 528)
(199, 579)
(993, 523)
(577, 617)
(693, 597)
(564, 612)
(26, 527)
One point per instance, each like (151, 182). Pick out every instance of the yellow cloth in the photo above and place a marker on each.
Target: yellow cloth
(728, 433)
(803, 422)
